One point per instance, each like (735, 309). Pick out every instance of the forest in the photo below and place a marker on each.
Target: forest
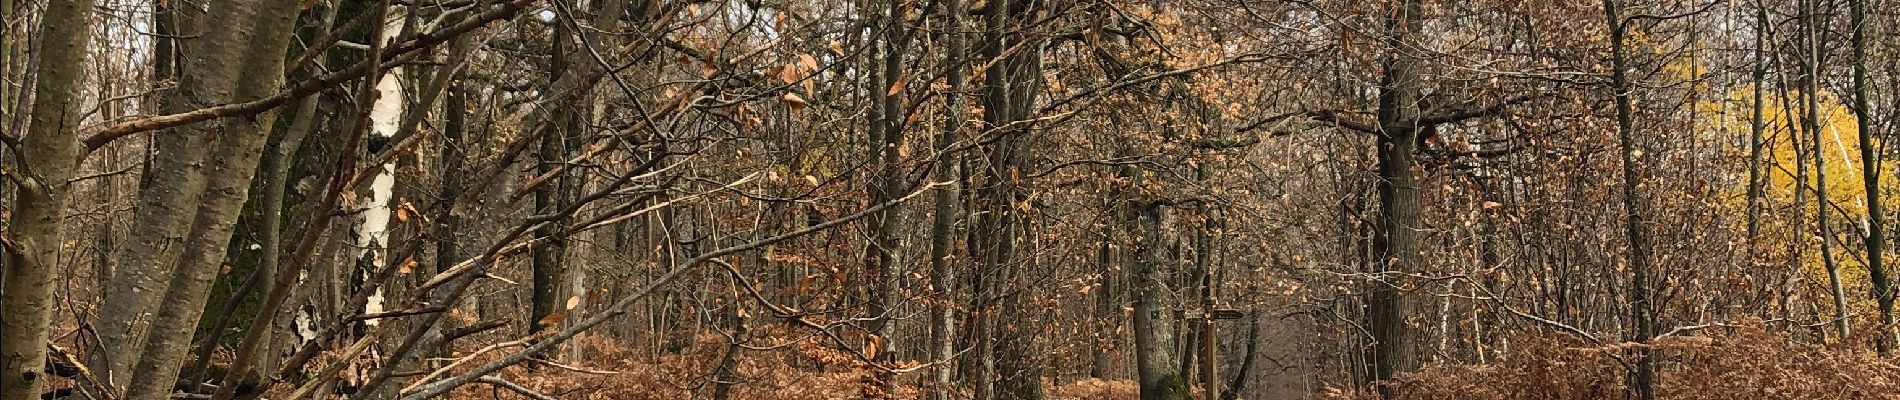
(948, 199)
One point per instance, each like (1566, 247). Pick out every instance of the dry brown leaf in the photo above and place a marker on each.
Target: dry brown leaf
(810, 63)
(402, 213)
(898, 86)
(787, 73)
(552, 319)
(797, 103)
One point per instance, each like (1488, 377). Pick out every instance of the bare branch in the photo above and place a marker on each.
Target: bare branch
(1460, 114)
(1699, 10)
(1337, 117)
(425, 390)
(505, 384)
(394, 56)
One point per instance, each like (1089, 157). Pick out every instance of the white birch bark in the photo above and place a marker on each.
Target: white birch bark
(372, 227)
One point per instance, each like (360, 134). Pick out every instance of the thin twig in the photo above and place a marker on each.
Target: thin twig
(121, 171)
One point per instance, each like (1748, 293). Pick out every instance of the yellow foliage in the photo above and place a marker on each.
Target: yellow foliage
(1840, 149)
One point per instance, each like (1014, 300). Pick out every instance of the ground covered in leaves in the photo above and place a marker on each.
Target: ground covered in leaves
(1728, 362)
(1739, 361)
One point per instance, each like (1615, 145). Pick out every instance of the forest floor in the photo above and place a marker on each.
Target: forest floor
(1743, 360)
(800, 370)
(1721, 362)
(1736, 361)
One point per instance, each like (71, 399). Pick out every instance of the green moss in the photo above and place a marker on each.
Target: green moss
(1171, 387)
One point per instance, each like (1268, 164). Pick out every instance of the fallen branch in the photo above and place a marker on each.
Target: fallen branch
(98, 385)
(505, 384)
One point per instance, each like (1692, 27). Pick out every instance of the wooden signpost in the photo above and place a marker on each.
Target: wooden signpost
(1207, 315)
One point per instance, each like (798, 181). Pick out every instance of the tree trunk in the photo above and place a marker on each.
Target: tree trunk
(726, 371)
(1396, 237)
(1011, 87)
(49, 156)
(1811, 125)
(1107, 311)
(1870, 177)
(887, 136)
(369, 241)
(570, 64)
(261, 349)
(454, 153)
(164, 208)
(1643, 374)
(1241, 374)
(1155, 360)
(227, 186)
(944, 212)
(547, 257)
(1755, 128)
(275, 187)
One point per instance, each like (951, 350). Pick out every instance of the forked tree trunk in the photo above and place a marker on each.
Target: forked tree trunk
(227, 187)
(162, 216)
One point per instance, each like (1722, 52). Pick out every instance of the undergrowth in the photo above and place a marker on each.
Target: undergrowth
(1740, 361)
(1731, 362)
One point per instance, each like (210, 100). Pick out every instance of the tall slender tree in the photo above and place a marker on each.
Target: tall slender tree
(48, 159)
(1871, 174)
(1642, 376)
